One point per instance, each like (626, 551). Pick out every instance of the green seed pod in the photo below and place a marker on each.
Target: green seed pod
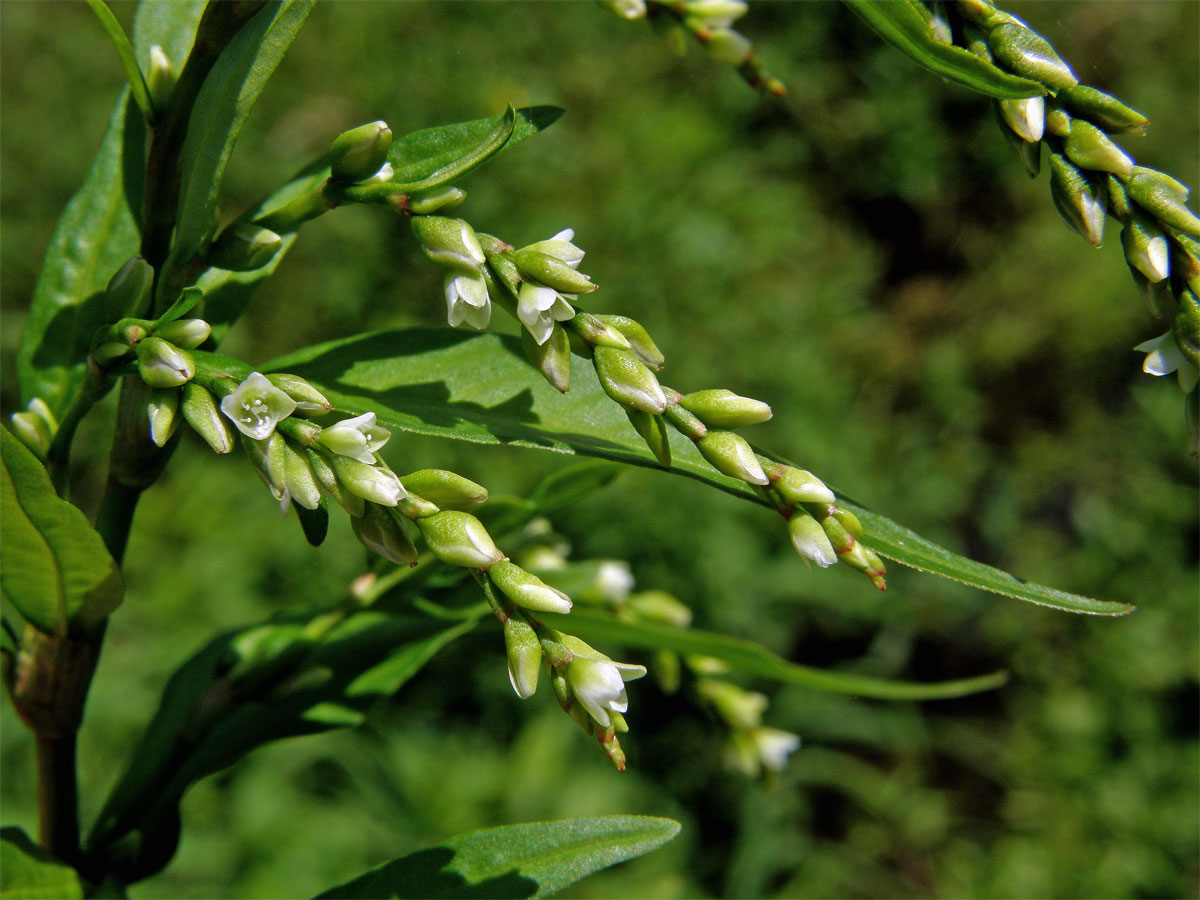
(552, 271)
(527, 590)
(639, 339)
(244, 248)
(524, 656)
(1102, 109)
(810, 540)
(552, 358)
(1076, 199)
(1163, 196)
(201, 412)
(730, 455)
(799, 486)
(357, 154)
(380, 531)
(720, 408)
(162, 409)
(128, 291)
(1090, 148)
(163, 365)
(447, 490)
(439, 199)
(185, 333)
(1027, 53)
(627, 381)
(459, 539)
(1145, 246)
(653, 430)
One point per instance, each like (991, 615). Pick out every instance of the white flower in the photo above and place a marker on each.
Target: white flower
(597, 682)
(467, 301)
(539, 307)
(560, 246)
(359, 437)
(755, 749)
(257, 406)
(613, 580)
(716, 13)
(1163, 357)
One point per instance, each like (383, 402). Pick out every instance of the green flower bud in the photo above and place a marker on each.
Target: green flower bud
(1026, 117)
(201, 412)
(552, 358)
(35, 427)
(459, 539)
(524, 656)
(270, 461)
(810, 540)
(359, 437)
(741, 709)
(1058, 122)
(639, 340)
(527, 590)
(1185, 259)
(163, 365)
(412, 507)
(552, 272)
(110, 353)
(659, 606)
(1027, 53)
(310, 402)
(327, 480)
(446, 489)
(128, 291)
(728, 46)
(1102, 109)
(1145, 246)
(301, 482)
(162, 409)
(1164, 197)
(799, 486)
(185, 333)
(720, 13)
(596, 333)
(243, 248)
(424, 203)
(653, 430)
(378, 484)
(731, 455)
(1118, 198)
(380, 531)
(1089, 147)
(449, 242)
(1076, 199)
(1030, 154)
(626, 380)
(720, 408)
(1186, 327)
(160, 78)
(849, 521)
(357, 154)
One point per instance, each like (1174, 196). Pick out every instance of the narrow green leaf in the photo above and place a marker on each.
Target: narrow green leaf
(435, 156)
(96, 234)
(184, 304)
(229, 93)
(27, 872)
(753, 659)
(904, 25)
(133, 74)
(479, 388)
(56, 569)
(170, 25)
(529, 860)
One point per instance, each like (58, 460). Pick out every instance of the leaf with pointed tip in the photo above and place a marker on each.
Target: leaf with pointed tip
(29, 872)
(479, 388)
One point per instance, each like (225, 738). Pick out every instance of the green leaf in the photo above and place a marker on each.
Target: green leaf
(133, 74)
(530, 860)
(96, 234)
(293, 676)
(56, 569)
(905, 25)
(170, 25)
(479, 388)
(753, 659)
(220, 111)
(436, 156)
(30, 873)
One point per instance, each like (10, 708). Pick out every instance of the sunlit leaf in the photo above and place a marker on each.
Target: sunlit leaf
(30, 873)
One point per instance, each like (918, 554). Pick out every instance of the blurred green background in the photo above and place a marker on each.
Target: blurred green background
(867, 256)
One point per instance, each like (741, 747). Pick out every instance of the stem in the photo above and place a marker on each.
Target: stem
(58, 796)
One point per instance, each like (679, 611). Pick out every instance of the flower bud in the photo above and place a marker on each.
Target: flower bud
(257, 406)
(810, 539)
(1118, 198)
(1030, 154)
(626, 380)
(639, 339)
(626, 9)
(309, 401)
(659, 606)
(731, 455)
(185, 333)
(1058, 122)
(653, 430)
(1163, 196)
(359, 438)
(715, 13)
(35, 427)
(414, 508)
(849, 521)
(327, 480)
(526, 589)
(552, 357)
(741, 709)
(1146, 248)
(378, 484)
(109, 353)
(524, 656)
(459, 539)
(358, 153)
(380, 531)
(799, 486)
(1102, 109)
(163, 365)
(720, 408)
(1026, 117)
(424, 203)
(1089, 147)
(447, 490)
(128, 291)
(449, 242)
(552, 272)
(597, 333)
(1185, 259)
(301, 482)
(1186, 327)
(200, 411)
(162, 410)
(1027, 53)
(270, 461)
(243, 248)
(728, 46)
(160, 78)
(1076, 199)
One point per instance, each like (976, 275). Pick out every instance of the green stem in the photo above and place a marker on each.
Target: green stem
(95, 386)
(58, 796)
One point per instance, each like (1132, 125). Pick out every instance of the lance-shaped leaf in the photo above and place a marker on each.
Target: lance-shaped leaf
(529, 860)
(170, 25)
(905, 25)
(479, 388)
(57, 571)
(28, 871)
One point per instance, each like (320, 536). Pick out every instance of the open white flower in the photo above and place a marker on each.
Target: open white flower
(467, 301)
(359, 437)
(761, 748)
(1163, 357)
(597, 682)
(257, 406)
(539, 307)
(560, 246)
